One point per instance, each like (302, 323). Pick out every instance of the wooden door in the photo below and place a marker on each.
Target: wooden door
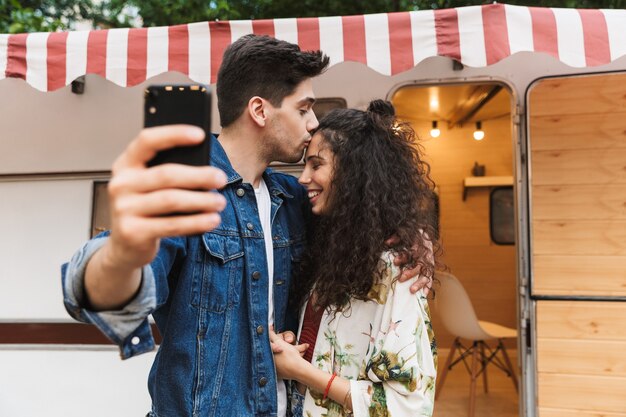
(577, 137)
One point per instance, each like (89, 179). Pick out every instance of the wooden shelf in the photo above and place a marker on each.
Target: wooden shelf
(481, 182)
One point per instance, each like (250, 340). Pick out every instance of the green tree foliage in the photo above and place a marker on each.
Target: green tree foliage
(26, 16)
(266, 9)
(114, 13)
(49, 15)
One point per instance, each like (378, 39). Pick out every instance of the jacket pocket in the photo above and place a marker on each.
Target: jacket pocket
(217, 285)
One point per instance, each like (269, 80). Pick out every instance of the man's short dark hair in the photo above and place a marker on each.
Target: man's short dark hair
(262, 66)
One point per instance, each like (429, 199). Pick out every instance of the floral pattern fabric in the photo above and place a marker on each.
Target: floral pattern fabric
(386, 348)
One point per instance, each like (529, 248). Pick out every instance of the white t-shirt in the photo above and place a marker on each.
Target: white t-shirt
(264, 204)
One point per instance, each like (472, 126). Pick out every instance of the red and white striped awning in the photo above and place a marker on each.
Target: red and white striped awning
(388, 43)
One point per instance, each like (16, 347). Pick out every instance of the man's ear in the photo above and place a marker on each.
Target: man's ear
(258, 110)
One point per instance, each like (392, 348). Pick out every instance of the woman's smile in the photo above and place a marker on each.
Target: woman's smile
(313, 195)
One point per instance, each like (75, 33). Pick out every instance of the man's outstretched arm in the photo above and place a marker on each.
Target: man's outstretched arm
(140, 199)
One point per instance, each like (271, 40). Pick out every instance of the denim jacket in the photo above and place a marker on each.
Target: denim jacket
(208, 297)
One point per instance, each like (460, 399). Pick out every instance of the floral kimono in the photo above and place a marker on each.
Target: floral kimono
(384, 346)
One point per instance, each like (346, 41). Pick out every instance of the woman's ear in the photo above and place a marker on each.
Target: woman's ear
(258, 109)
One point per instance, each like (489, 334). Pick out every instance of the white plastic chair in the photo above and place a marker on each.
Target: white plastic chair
(458, 317)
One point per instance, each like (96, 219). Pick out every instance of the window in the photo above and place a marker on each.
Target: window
(502, 216)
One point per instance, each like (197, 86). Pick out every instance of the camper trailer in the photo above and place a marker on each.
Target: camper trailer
(532, 217)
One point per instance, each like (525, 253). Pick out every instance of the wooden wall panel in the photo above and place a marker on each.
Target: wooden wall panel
(581, 362)
(584, 320)
(557, 412)
(596, 166)
(582, 392)
(589, 202)
(578, 131)
(579, 237)
(594, 275)
(578, 185)
(584, 357)
(591, 94)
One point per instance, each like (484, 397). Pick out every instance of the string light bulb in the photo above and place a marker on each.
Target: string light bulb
(479, 133)
(435, 132)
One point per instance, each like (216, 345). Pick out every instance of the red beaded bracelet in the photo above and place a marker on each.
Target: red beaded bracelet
(330, 382)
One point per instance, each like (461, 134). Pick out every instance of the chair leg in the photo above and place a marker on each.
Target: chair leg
(508, 364)
(473, 376)
(444, 372)
(483, 361)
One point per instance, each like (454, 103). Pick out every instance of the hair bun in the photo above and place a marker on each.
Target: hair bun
(381, 108)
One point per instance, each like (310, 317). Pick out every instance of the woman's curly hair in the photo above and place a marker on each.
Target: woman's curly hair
(380, 188)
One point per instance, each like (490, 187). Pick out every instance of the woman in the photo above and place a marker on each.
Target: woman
(371, 349)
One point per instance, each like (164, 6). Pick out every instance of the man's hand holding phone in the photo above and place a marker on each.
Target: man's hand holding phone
(160, 183)
(160, 187)
(141, 197)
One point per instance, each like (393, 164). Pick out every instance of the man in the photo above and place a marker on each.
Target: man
(212, 294)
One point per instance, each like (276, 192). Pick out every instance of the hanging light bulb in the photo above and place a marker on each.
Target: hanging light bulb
(435, 132)
(479, 134)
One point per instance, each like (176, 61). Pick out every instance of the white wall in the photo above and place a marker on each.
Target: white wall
(70, 383)
(41, 225)
(61, 131)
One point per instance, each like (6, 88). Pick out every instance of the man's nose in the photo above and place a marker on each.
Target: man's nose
(313, 123)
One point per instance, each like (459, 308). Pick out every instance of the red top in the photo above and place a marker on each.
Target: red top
(310, 327)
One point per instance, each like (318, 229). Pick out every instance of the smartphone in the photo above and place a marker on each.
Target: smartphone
(180, 104)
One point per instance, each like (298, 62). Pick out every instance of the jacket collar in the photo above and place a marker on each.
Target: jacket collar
(219, 159)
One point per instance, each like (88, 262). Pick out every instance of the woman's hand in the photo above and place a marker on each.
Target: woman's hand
(288, 358)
